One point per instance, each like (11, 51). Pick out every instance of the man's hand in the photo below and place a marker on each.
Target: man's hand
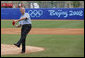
(17, 26)
(16, 21)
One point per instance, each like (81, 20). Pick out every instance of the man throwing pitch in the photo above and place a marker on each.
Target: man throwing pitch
(25, 23)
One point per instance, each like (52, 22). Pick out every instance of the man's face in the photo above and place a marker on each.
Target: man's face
(22, 10)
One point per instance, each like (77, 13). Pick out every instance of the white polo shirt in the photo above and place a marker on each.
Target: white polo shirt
(26, 21)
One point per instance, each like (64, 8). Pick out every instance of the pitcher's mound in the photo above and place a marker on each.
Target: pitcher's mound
(11, 49)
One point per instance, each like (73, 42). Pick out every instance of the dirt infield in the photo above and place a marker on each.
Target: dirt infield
(56, 31)
(11, 49)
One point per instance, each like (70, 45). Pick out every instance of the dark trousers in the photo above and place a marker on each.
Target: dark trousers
(24, 31)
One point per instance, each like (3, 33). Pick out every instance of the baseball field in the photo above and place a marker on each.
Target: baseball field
(58, 38)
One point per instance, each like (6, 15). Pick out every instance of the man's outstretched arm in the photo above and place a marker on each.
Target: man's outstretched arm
(21, 19)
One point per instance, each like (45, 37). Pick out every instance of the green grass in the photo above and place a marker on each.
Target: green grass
(56, 45)
(48, 24)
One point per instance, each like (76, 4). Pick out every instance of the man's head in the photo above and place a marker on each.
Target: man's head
(22, 10)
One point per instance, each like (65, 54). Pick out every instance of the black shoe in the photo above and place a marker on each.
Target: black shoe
(23, 52)
(17, 45)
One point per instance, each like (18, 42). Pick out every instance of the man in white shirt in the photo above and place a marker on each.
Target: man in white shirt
(25, 22)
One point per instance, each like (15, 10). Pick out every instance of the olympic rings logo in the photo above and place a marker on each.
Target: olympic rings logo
(35, 13)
